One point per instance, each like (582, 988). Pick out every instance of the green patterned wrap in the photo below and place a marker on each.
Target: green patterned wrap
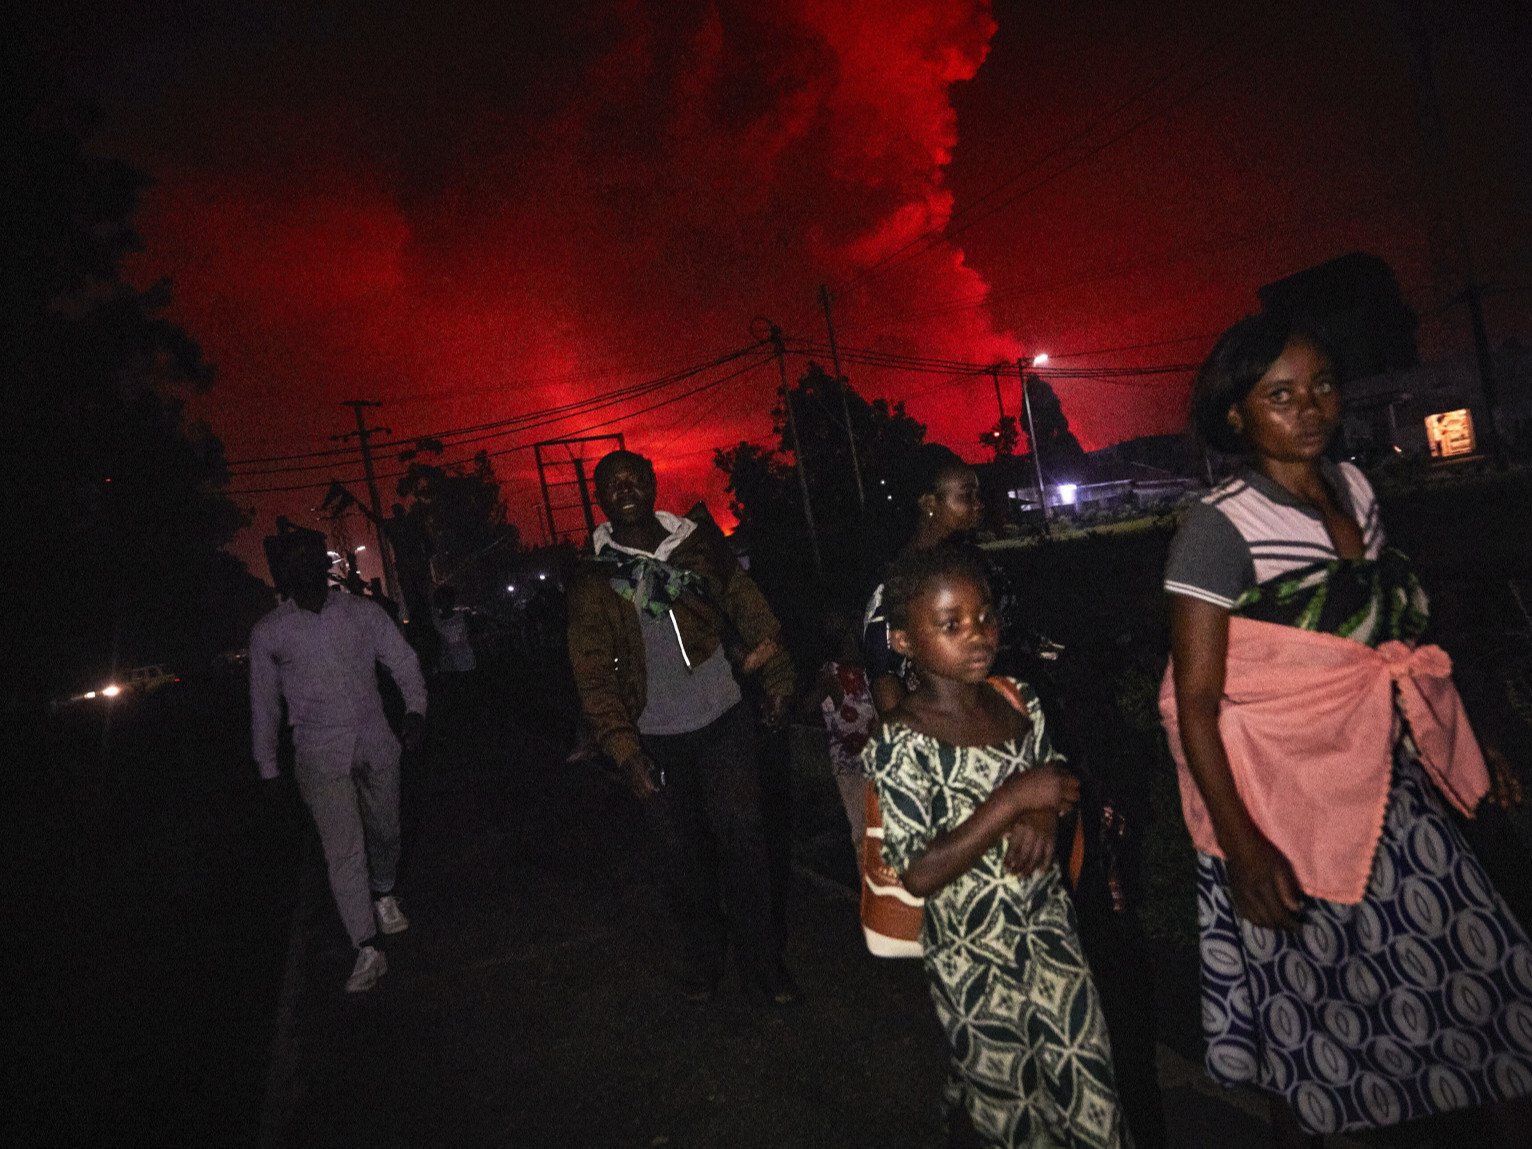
(1370, 601)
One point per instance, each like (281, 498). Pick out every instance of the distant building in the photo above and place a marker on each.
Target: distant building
(1109, 479)
(1437, 409)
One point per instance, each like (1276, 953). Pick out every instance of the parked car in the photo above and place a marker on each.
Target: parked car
(148, 679)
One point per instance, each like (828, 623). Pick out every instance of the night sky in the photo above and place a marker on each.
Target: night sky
(477, 211)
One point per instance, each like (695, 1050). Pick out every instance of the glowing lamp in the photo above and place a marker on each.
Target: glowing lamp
(90, 694)
(1039, 359)
(111, 691)
(1067, 493)
(541, 576)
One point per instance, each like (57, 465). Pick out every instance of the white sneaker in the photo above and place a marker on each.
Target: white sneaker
(391, 919)
(370, 965)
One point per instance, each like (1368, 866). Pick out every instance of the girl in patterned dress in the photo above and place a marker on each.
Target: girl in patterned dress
(970, 792)
(1416, 999)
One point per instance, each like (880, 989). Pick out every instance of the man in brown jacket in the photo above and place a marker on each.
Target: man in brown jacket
(662, 620)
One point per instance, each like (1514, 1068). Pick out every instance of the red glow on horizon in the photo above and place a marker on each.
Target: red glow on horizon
(523, 229)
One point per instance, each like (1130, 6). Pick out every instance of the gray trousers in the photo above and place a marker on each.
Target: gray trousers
(357, 815)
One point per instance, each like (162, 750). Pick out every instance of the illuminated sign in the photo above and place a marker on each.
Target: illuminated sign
(1450, 433)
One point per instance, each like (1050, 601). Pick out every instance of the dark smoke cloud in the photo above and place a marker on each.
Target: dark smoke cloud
(472, 209)
(504, 212)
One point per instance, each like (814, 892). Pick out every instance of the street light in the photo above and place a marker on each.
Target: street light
(1040, 359)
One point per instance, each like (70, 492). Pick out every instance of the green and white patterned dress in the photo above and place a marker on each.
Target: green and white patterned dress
(1008, 975)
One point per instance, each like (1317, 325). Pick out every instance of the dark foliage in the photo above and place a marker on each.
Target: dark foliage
(116, 523)
(458, 508)
(1003, 438)
(1056, 443)
(766, 497)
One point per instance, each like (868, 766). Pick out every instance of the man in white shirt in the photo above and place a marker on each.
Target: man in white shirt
(319, 649)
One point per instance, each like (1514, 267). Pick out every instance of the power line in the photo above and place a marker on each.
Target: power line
(527, 446)
(955, 367)
(1135, 346)
(865, 357)
(525, 419)
(745, 370)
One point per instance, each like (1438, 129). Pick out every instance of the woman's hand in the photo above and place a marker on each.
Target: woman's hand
(1030, 843)
(1262, 882)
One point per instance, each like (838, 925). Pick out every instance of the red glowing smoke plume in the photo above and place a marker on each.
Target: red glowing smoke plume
(468, 233)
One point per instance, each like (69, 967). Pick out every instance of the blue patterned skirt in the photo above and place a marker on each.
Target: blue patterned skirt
(1417, 1000)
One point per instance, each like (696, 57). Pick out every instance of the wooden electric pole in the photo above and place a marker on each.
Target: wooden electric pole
(792, 424)
(845, 406)
(363, 435)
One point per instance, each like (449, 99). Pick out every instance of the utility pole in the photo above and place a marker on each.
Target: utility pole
(363, 435)
(1486, 364)
(792, 423)
(1037, 463)
(845, 406)
(994, 373)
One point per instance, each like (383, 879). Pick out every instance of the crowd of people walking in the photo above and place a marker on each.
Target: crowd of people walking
(1357, 963)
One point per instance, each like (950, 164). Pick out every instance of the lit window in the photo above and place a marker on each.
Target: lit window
(1450, 433)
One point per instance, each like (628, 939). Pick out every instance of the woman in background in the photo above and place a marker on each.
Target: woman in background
(943, 497)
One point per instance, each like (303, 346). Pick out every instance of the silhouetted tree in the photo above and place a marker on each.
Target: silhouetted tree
(1003, 438)
(765, 495)
(115, 519)
(1056, 444)
(458, 508)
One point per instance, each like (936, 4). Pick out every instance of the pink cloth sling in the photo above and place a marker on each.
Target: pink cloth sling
(1309, 724)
